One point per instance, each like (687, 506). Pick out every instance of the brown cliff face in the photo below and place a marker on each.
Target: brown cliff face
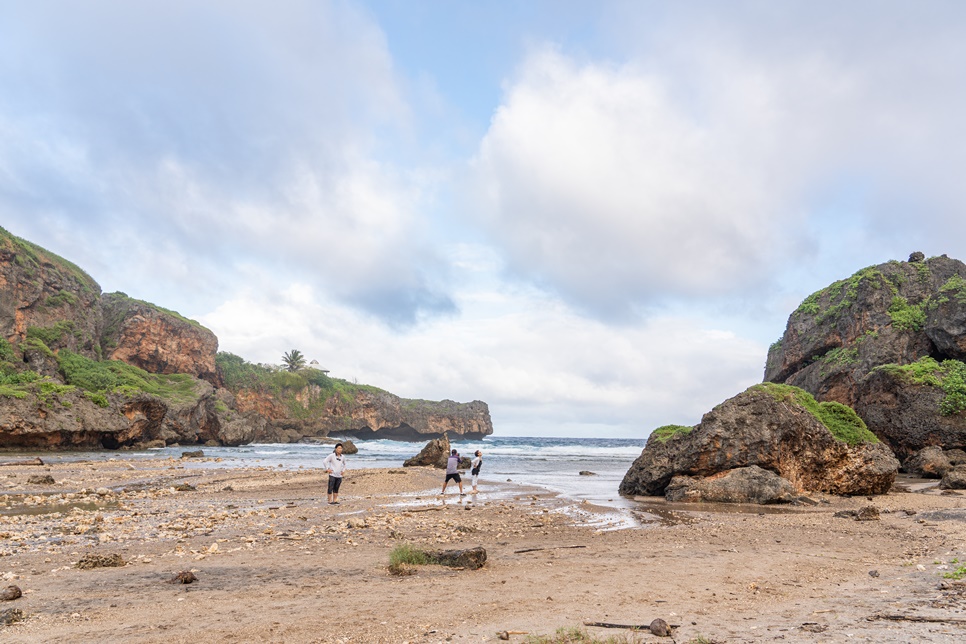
(365, 414)
(839, 339)
(45, 292)
(156, 340)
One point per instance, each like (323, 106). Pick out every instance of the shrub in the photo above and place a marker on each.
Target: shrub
(407, 554)
(905, 316)
(50, 335)
(950, 376)
(7, 352)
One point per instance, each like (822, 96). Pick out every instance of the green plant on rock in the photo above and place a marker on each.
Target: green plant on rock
(667, 432)
(7, 352)
(950, 376)
(905, 316)
(955, 287)
(839, 296)
(62, 298)
(51, 335)
(841, 420)
(114, 376)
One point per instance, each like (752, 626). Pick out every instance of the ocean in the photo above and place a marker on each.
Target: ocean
(553, 464)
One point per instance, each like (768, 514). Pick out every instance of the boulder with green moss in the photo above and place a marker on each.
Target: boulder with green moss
(890, 342)
(816, 447)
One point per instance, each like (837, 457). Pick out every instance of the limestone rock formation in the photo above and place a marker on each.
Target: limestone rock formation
(890, 342)
(775, 428)
(741, 485)
(46, 297)
(156, 340)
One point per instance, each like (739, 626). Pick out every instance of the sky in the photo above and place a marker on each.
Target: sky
(595, 217)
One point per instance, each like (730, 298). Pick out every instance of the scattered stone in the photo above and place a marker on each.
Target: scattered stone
(10, 593)
(102, 491)
(11, 616)
(814, 627)
(185, 487)
(587, 473)
(401, 570)
(91, 561)
(45, 479)
(198, 453)
(873, 573)
(868, 513)
(471, 558)
(356, 522)
(660, 628)
(954, 479)
(183, 577)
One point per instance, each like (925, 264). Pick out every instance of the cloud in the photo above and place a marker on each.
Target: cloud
(542, 368)
(698, 163)
(178, 140)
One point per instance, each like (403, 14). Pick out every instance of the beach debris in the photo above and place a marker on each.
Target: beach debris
(505, 635)
(868, 513)
(471, 558)
(401, 569)
(185, 487)
(41, 479)
(517, 552)
(198, 453)
(657, 627)
(814, 627)
(587, 473)
(91, 561)
(10, 593)
(183, 577)
(11, 616)
(356, 522)
(916, 618)
(32, 461)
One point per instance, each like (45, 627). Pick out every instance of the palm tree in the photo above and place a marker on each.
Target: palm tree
(294, 360)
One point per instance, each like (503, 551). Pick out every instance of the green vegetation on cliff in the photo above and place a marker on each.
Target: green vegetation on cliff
(31, 257)
(119, 303)
(114, 376)
(287, 387)
(841, 420)
(950, 376)
(838, 296)
(905, 316)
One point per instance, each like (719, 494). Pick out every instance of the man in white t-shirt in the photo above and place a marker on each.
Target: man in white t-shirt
(335, 466)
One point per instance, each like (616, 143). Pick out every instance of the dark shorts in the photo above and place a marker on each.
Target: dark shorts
(334, 483)
(453, 477)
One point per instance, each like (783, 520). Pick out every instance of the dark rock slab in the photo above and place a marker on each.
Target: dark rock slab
(471, 558)
(741, 485)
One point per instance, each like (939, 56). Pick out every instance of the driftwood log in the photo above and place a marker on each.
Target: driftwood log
(32, 461)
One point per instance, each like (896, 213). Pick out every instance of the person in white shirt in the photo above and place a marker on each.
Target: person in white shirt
(335, 466)
(475, 472)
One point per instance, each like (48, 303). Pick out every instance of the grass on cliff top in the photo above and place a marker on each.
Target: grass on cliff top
(841, 420)
(839, 295)
(287, 386)
(112, 325)
(31, 256)
(667, 432)
(950, 376)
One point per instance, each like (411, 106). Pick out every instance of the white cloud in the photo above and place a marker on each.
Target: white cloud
(542, 368)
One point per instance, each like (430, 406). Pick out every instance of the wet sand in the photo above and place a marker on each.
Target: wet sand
(276, 563)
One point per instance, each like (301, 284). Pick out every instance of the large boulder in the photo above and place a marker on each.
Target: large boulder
(741, 485)
(954, 479)
(433, 454)
(890, 342)
(778, 428)
(929, 462)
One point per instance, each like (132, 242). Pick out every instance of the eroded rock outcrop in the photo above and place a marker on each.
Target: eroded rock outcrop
(770, 427)
(433, 454)
(889, 341)
(156, 340)
(44, 296)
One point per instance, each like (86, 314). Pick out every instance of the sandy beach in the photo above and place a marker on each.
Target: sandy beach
(275, 563)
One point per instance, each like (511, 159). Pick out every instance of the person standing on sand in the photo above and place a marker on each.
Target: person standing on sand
(452, 471)
(475, 472)
(334, 465)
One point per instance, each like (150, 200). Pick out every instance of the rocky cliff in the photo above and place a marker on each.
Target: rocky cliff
(156, 340)
(888, 341)
(79, 370)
